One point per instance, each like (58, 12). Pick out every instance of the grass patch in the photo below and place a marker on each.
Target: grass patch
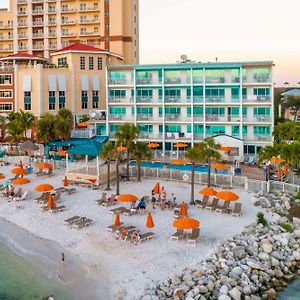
(261, 219)
(287, 227)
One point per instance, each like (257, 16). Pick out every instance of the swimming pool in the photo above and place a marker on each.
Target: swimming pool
(187, 167)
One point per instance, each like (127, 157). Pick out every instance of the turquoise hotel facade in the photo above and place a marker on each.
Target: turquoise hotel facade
(187, 102)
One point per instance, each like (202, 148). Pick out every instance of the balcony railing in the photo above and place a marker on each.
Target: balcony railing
(22, 36)
(215, 99)
(260, 118)
(51, 11)
(143, 117)
(52, 46)
(198, 99)
(215, 118)
(22, 1)
(262, 138)
(68, 10)
(233, 118)
(22, 12)
(119, 117)
(37, 1)
(38, 12)
(142, 99)
(85, 33)
(256, 99)
(120, 82)
(68, 22)
(178, 136)
(82, 134)
(149, 135)
(22, 48)
(120, 100)
(173, 117)
(198, 118)
(38, 35)
(67, 34)
(214, 80)
(22, 24)
(177, 99)
(38, 23)
(177, 81)
(52, 23)
(148, 81)
(38, 47)
(52, 34)
(85, 9)
(89, 21)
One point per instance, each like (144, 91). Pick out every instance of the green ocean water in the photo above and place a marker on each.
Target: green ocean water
(20, 279)
(291, 292)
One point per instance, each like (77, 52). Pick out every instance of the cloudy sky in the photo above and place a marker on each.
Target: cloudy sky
(232, 30)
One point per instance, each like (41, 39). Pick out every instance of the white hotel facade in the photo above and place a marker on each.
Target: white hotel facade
(187, 102)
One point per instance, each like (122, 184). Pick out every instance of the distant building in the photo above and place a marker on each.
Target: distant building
(288, 113)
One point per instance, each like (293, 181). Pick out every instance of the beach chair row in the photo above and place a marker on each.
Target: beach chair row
(78, 222)
(190, 238)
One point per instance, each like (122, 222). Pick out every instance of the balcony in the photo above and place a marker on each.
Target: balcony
(257, 119)
(119, 117)
(68, 22)
(146, 100)
(22, 12)
(148, 81)
(120, 100)
(198, 99)
(22, 36)
(38, 12)
(6, 38)
(257, 99)
(6, 49)
(198, 118)
(87, 9)
(178, 136)
(215, 99)
(144, 118)
(149, 136)
(214, 80)
(82, 134)
(234, 118)
(37, 47)
(258, 138)
(120, 82)
(174, 118)
(52, 34)
(68, 10)
(51, 11)
(197, 80)
(52, 23)
(198, 136)
(85, 33)
(22, 24)
(37, 1)
(38, 23)
(23, 48)
(177, 99)
(38, 35)
(216, 118)
(177, 81)
(22, 1)
(52, 46)
(86, 22)
(68, 34)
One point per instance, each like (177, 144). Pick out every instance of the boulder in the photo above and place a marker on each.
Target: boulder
(263, 256)
(296, 222)
(271, 294)
(296, 255)
(239, 252)
(235, 293)
(255, 264)
(224, 297)
(224, 289)
(266, 246)
(297, 234)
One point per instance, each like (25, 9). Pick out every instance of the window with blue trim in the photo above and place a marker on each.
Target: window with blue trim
(261, 111)
(262, 130)
(117, 110)
(215, 129)
(51, 100)
(198, 129)
(117, 94)
(84, 99)
(27, 100)
(61, 99)
(198, 111)
(95, 99)
(170, 111)
(220, 111)
(145, 128)
(261, 92)
(145, 111)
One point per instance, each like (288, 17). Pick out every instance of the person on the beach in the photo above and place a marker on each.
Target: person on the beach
(141, 206)
(153, 199)
(123, 234)
(62, 258)
(6, 191)
(12, 191)
(136, 237)
(163, 196)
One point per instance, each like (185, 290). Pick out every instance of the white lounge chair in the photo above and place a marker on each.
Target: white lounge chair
(145, 237)
(22, 198)
(194, 236)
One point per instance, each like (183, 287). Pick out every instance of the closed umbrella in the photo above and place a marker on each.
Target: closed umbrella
(117, 222)
(149, 221)
(156, 188)
(279, 173)
(44, 187)
(66, 182)
(50, 201)
(209, 191)
(20, 181)
(186, 223)
(183, 210)
(286, 170)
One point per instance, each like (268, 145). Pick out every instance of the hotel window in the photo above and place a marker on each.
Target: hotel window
(91, 63)
(62, 61)
(84, 99)
(82, 6)
(6, 106)
(262, 130)
(261, 92)
(6, 94)
(261, 111)
(198, 111)
(82, 63)
(99, 63)
(95, 99)
(96, 18)
(51, 100)
(61, 99)
(148, 111)
(117, 94)
(96, 29)
(5, 79)
(214, 130)
(27, 100)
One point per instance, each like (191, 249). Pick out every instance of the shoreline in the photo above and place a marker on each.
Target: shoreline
(44, 255)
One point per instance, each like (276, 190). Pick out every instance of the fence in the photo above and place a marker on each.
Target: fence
(218, 180)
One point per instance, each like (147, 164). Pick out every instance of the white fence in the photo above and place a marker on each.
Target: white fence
(218, 180)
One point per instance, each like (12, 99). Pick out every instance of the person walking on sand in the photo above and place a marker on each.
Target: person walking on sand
(62, 258)
(153, 199)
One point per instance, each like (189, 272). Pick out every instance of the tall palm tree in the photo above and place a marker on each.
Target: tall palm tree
(2, 126)
(194, 155)
(109, 153)
(141, 152)
(12, 116)
(126, 135)
(46, 128)
(210, 153)
(26, 120)
(15, 132)
(64, 123)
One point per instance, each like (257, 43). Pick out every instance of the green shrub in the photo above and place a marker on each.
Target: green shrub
(261, 219)
(287, 227)
(298, 195)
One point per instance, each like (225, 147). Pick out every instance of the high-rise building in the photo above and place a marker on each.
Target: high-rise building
(187, 102)
(40, 27)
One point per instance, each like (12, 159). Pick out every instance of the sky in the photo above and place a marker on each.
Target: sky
(231, 30)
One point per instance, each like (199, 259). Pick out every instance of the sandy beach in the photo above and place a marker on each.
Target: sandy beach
(100, 264)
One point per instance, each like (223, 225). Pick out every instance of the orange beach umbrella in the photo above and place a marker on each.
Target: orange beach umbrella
(50, 201)
(66, 182)
(180, 145)
(277, 159)
(121, 148)
(44, 165)
(19, 171)
(186, 223)
(83, 124)
(2, 176)
(178, 162)
(149, 221)
(209, 191)
(226, 148)
(183, 210)
(156, 188)
(153, 145)
(117, 221)
(20, 181)
(227, 196)
(44, 187)
(220, 166)
(127, 198)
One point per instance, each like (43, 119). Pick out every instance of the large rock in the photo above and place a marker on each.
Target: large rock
(296, 255)
(235, 294)
(297, 234)
(263, 256)
(296, 222)
(239, 252)
(224, 297)
(266, 246)
(224, 289)
(255, 264)
(271, 294)
(254, 201)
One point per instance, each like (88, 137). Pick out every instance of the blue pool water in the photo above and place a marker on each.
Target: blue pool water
(187, 167)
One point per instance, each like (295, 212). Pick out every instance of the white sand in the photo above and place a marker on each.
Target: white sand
(122, 267)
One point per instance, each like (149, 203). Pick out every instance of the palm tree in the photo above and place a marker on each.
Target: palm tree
(109, 153)
(141, 152)
(84, 118)
(64, 123)
(15, 132)
(26, 120)
(2, 126)
(12, 116)
(46, 128)
(210, 153)
(126, 136)
(194, 155)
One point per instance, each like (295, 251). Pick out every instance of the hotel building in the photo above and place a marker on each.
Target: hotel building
(40, 27)
(187, 102)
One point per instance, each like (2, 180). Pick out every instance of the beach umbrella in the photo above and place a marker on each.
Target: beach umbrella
(20, 181)
(19, 171)
(149, 221)
(227, 196)
(83, 124)
(2, 176)
(121, 148)
(44, 165)
(285, 171)
(279, 173)
(209, 191)
(180, 145)
(156, 188)
(117, 222)
(50, 201)
(183, 210)
(153, 145)
(277, 159)
(178, 162)
(62, 153)
(186, 223)
(127, 198)
(28, 146)
(226, 148)
(44, 187)
(220, 166)
(66, 182)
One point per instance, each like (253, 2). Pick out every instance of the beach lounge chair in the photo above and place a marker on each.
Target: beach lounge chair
(60, 189)
(129, 212)
(177, 235)
(109, 202)
(70, 191)
(203, 203)
(57, 209)
(57, 197)
(19, 193)
(49, 173)
(112, 227)
(119, 209)
(39, 173)
(224, 208)
(22, 198)
(84, 223)
(102, 199)
(145, 237)
(194, 236)
(237, 210)
(213, 205)
(44, 196)
(71, 220)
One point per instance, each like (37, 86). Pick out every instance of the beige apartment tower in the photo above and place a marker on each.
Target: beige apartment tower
(40, 27)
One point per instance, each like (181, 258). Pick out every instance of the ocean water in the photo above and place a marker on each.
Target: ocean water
(20, 279)
(291, 292)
